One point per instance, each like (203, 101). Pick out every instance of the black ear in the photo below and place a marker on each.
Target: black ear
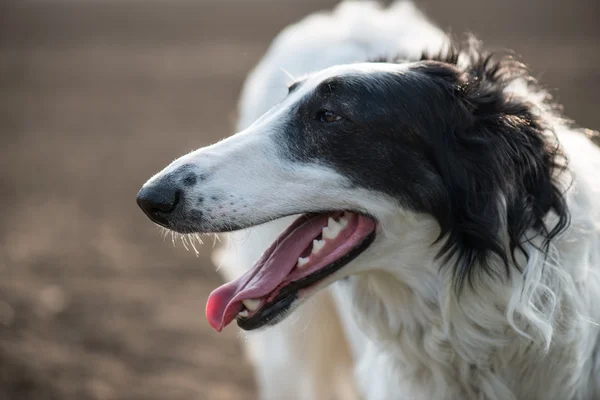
(499, 161)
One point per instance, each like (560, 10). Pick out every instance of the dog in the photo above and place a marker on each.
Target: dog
(433, 218)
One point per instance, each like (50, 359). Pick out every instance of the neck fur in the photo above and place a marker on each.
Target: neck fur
(429, 342)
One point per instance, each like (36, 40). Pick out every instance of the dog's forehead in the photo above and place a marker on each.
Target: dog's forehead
(361, 69)
(366, 70)
(306, 86)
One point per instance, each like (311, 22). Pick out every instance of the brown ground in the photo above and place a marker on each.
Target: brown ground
(95, 96)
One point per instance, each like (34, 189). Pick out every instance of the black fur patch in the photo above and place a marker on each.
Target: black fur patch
(444, 139)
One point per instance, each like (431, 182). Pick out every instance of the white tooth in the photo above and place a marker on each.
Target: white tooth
(317, 246)
(302, 261)
(252, 304)
(243, 313)
(332, 223)
(336, 227)
(329, 233)
(332, 229)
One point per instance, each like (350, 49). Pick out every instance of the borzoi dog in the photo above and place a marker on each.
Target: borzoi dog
(450, 209)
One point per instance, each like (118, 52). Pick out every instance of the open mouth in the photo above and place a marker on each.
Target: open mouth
(312, 248)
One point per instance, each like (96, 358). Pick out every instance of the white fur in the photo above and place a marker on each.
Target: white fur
(533, 337)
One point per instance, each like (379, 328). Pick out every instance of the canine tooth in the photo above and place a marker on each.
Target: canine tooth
(243, 313)
(302, 261)
(332, 229)
(251, 304)
(332, 223)
(317, 246)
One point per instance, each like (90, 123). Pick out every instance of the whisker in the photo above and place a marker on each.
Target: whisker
(287, 73)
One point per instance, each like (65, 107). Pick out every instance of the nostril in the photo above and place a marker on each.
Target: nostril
(177, 199)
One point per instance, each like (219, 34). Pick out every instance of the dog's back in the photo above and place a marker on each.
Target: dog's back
(307, 356)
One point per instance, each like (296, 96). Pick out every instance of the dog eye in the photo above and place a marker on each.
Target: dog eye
(327, 116)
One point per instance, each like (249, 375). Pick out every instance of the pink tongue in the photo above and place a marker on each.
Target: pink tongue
(276, 263)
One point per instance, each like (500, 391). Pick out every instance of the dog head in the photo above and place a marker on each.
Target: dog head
(376, 157)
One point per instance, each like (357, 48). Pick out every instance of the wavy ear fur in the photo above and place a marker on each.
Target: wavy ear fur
(499, 161)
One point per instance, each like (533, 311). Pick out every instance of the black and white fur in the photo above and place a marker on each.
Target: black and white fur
(484, 279)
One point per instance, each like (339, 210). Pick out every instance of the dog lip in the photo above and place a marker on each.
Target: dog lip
(269, 313)
(233, 226)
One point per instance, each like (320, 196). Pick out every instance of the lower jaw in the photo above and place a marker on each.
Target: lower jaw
(284, 300)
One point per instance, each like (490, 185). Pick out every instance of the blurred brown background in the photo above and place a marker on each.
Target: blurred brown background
(95, 96)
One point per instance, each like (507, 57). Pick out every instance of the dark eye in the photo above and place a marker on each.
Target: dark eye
(327, 116)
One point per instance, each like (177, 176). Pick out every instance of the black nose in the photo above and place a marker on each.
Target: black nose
(158, 201)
